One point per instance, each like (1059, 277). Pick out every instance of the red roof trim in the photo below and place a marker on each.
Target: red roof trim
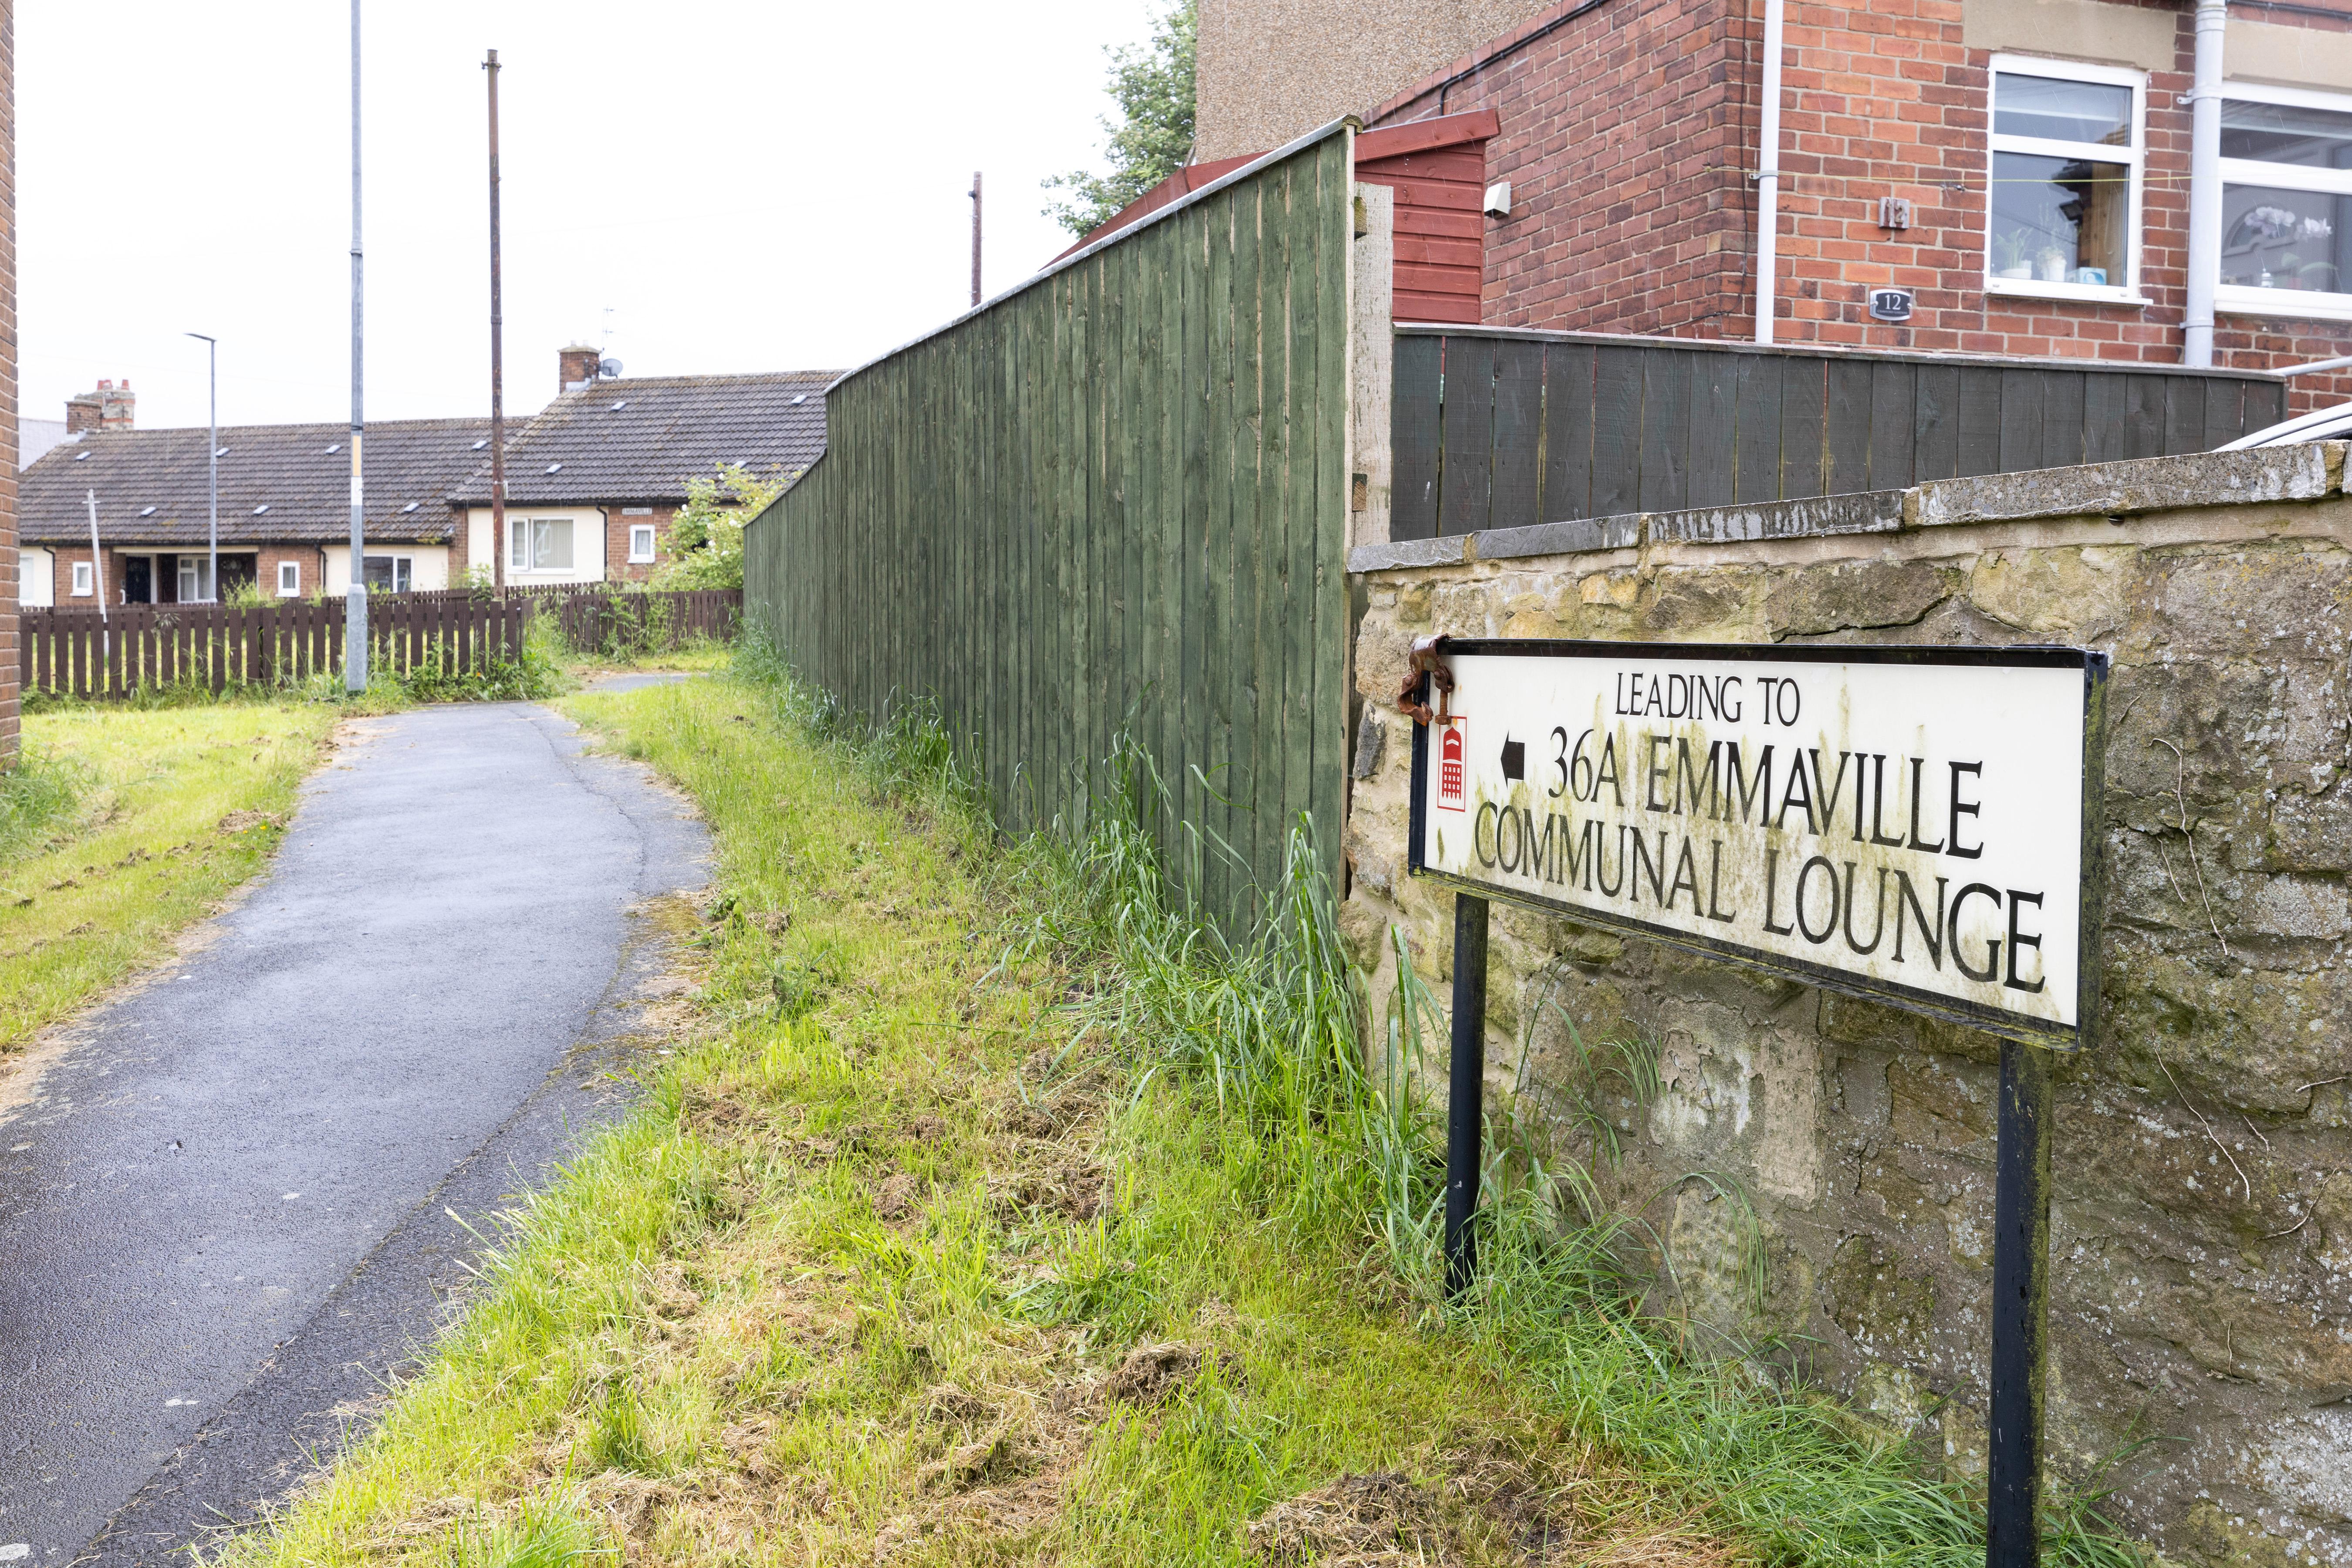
(1183, 182)
(1426, 135)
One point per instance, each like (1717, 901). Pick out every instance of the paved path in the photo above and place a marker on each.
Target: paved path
(222, 1214)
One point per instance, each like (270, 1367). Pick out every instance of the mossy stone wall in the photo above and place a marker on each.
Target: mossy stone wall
(2202, 1214)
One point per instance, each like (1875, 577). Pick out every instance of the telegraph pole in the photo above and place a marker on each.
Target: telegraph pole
(975, 236)
(355, 634)
(212, 458)
(497, 358)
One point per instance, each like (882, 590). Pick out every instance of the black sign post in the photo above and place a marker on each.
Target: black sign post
(1465, 1090)
(2020, 1308)
(2022, 1186)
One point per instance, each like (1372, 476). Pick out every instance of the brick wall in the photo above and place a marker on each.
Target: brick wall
(617, 523)
(309, 557)
(1628, 133)
(10, 645)
(1620, 132)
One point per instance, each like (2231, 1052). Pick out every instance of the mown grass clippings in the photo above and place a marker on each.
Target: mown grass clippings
(150, 818)
(989, 1212)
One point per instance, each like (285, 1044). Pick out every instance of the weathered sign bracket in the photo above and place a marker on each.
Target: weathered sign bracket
(2030, 728)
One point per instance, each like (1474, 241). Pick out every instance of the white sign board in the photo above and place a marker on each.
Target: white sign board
(1916, 824)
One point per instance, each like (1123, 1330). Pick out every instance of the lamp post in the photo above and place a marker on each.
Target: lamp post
(355, 636)
(212, 457)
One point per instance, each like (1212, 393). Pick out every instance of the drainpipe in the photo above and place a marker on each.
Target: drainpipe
(2204, 185)
(1768, 176)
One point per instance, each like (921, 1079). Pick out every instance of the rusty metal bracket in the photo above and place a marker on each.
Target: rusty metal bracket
(1428, 654)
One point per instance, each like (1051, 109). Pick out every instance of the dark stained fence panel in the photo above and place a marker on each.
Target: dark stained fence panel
(1110, 508)
(1413, 444)
(1518, 435)
(1591, 426)
(1568, 430)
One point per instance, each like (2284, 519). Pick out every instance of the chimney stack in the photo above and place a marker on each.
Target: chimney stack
(578, 366)
(108, 408)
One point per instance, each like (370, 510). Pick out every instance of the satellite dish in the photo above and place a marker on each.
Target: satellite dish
(608, 367)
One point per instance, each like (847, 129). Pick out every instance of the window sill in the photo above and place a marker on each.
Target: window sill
(2288, 302)
(2079, 293)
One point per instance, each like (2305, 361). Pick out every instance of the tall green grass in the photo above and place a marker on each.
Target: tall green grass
(1342, 1143)
(36, 794)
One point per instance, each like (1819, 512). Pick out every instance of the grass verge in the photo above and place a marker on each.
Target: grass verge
(135, 823)
(989, 1213)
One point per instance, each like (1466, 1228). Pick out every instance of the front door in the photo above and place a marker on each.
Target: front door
(138, 580)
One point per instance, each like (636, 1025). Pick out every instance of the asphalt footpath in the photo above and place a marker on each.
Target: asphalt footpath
(242, 1194)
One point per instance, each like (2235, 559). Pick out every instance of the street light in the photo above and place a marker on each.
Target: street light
(212, 455)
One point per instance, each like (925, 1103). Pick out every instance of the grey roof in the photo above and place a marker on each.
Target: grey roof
(301, 473)
(638, 439)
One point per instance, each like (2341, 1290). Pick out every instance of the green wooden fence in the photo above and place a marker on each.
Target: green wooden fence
(1112, 500)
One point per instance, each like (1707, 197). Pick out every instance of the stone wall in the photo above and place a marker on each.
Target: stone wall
(2203, 1217)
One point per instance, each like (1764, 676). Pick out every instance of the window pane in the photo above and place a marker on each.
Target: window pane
(376, 573)
(551, 543)
(2285, 133)
(2060, 220)
(2286, 239)
(2061, 110)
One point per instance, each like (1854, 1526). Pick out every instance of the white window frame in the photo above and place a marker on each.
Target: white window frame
(290, 579)
(518, 540)
(403, 569)
(190, 571)
(2236, 298)
(85, 582)
(2135, 158)
(641, 557)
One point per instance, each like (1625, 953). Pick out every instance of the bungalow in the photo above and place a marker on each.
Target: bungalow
(285, 511)
(595, 481)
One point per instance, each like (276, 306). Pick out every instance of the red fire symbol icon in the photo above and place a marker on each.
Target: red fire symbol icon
(1449, 766)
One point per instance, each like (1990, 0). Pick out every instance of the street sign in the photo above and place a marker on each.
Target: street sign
(1751, 803)
(1916, 824)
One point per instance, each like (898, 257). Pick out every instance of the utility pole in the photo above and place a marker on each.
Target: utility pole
(975, 236)
(212, 458)
(497, 358)
(355, 633)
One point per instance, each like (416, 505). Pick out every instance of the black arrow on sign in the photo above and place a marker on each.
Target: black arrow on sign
(1515, 759)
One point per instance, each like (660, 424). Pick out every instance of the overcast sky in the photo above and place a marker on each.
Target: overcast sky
(741, 186)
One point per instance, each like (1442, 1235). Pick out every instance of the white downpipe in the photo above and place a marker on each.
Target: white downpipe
(1768, 176)
(2204, 183)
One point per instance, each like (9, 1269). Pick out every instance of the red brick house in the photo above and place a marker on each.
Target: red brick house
(2020, 168)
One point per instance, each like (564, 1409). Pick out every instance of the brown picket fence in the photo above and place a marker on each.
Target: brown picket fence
(72, 652)
(648, 622)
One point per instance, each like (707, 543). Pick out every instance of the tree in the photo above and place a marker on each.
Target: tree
(1152, 85)
(706, 537)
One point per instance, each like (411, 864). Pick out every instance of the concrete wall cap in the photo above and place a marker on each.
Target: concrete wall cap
(1408, 552)
(1576, 536)
(1867, 511)
(2304, 472)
